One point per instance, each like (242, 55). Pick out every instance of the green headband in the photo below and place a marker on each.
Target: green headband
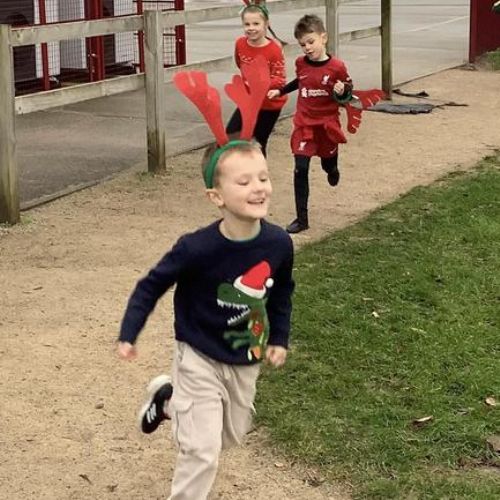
(209, 173)
(262, 8)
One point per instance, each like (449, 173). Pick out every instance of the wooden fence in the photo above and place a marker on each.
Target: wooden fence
(152, 23)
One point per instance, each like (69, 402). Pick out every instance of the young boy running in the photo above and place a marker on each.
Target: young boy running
(232, 306)
(323, 83)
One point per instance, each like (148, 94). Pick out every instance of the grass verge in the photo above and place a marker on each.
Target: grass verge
(395, 319)
(493, 59)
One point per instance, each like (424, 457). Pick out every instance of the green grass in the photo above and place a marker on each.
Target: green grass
(25, 220)
(493, 59)
(397, 318)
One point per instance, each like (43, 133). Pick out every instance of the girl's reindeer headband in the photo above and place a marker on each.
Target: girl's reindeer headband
(256, 3)
(246, 92)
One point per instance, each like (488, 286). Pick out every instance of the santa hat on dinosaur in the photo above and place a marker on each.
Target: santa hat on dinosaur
(255, 281)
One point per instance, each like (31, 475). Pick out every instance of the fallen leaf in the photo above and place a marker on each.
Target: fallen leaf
(490, 401)
(279, 465)
(419, 422)
(417, 330)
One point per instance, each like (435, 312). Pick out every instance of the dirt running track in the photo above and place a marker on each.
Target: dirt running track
(68, 405)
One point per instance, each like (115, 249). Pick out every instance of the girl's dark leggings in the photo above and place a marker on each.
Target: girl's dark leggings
(266, 121)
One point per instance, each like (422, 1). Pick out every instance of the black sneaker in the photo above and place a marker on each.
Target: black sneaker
(297, 226)
(333, 176)
(152, 415)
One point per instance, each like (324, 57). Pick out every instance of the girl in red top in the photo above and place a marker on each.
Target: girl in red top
(255, 19)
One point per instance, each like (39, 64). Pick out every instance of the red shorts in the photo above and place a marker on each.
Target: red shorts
(313, 141)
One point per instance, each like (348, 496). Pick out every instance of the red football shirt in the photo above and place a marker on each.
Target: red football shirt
(315, 103)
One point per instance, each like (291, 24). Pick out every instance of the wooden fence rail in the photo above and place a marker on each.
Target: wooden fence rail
(152, 23)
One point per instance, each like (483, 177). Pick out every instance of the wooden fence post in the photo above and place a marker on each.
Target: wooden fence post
(332, 26)
(155, 91)
(386, 42)
(9, 188)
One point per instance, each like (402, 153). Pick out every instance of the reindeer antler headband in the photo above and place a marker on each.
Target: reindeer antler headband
(255, 3)
(246, 92)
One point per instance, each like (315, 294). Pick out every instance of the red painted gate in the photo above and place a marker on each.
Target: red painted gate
(484, 28)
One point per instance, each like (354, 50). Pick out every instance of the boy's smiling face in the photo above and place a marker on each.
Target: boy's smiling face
(314, 45)
(243, 190)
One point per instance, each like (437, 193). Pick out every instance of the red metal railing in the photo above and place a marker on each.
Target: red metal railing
(53, 64)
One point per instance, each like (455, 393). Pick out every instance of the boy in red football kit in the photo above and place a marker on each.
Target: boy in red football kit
(255, 42)
(323, 84)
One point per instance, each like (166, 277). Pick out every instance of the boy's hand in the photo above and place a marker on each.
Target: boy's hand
(339, 87)
(273, 93)
(276, 355)
(127, 351)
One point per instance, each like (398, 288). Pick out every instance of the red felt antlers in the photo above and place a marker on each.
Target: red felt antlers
(367, 98)
(247, 93)
(194, 85)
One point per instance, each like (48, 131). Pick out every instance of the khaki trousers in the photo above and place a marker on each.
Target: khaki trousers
(211, 409)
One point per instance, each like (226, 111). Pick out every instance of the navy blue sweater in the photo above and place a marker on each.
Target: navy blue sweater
(231, 298)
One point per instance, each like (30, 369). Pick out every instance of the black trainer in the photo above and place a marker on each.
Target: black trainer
(152, 414)
(333, 176)
(297, 226)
